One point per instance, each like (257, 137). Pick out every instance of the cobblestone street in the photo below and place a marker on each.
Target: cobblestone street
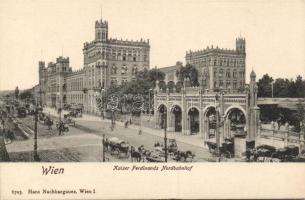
(84, 141)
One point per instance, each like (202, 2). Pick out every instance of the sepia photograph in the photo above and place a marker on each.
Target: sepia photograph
(138, 85)
(75, 87)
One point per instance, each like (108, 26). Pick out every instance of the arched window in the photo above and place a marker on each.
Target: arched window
(113, 70)
(134, 70)
(124, 70)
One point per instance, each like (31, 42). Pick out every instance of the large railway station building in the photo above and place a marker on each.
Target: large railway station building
(106, 61)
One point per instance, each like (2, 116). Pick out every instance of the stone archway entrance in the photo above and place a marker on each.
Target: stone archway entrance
(193, 120)
(210, 117)
(236, 123)
(176, 118)
(161, 116)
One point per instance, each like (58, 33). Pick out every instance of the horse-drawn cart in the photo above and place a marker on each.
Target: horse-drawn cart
(285, 154)
(226, 149)
(117, 147)
(183, 156)
(153, 157)
(68, 119)
(172, 148)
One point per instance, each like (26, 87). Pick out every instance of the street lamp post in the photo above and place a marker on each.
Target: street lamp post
(112, 119)
(165, 136)
(40, 101)
(103, 147)
(59, 112)
(140, 127)
(272, 89)
(104, 97)
(36, 157)
(217, 125)
(149, 103)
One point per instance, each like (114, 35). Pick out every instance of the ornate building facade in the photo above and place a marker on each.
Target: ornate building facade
(111, 61)
(75, 92)
(106, 61)
(52, 81)
(220, 68)
(193, 110)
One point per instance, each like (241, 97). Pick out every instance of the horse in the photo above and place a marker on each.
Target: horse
(144, 152)
(135, 154)
(126, 124)
(106, 144)
(123, 150)
(183, 155)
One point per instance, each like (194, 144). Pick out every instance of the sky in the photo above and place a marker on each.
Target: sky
(32, 30)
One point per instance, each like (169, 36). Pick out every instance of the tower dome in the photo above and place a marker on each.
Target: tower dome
(252, 74)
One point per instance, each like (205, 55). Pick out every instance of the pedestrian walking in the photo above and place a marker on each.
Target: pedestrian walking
(50, 123)
(126, 124)
(248, 154)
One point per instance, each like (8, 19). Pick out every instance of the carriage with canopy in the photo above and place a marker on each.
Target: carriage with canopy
(117, 147)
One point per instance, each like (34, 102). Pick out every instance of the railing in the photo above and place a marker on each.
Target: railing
(292, 137)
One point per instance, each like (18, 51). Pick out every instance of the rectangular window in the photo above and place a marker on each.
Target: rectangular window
(227, 84)
(124, 81)
(234, 84)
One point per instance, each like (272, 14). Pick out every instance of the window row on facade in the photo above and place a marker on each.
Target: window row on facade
(229, 84)
(228, 74)
(218, 61)
(75, 84)
(120, 57)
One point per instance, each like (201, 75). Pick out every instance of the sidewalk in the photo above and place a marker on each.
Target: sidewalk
(194, 140)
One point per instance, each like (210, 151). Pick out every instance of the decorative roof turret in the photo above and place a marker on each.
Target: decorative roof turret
(252, 76)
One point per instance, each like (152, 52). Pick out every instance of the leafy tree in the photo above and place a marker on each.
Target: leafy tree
(17, 92)
(27, 94)
(291, 88)
(151, 76)
(190, 72)
(179, 86)
(162, 85)
(300, 87)
(145, 80)
(281, 87)
(170, 86)
(264, 86)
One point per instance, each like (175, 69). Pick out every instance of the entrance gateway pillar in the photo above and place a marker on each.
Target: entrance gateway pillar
(183, 112)
(227, 128)
(254, 111)
(222, 116)
(156, 111)
(168, 113)
(206, 128)
(201, 115)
